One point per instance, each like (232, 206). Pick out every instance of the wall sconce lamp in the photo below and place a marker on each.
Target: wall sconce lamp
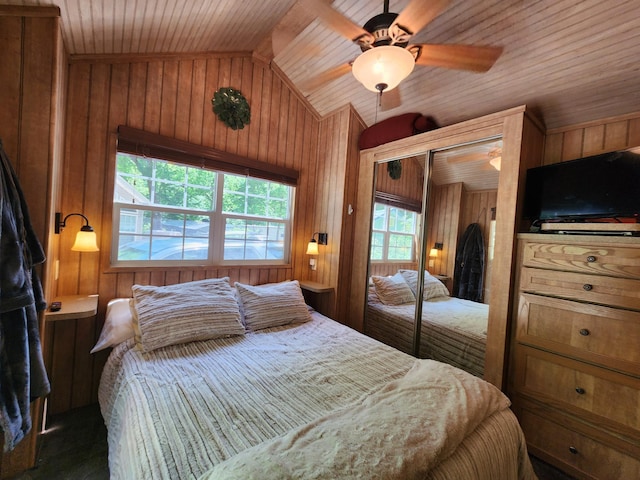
(312, 247)
(433, 254)
(85, 239)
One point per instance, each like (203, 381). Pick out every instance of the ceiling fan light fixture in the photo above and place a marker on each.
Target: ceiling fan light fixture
(386, 64)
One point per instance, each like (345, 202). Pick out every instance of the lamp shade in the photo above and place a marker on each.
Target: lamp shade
(433, 252)
(312, 248)
(85, 242)
(387, 65)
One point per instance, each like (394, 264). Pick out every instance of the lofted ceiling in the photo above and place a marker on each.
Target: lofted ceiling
(571, 61)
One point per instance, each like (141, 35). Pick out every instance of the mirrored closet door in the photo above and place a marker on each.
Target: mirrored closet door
(444, 204)
(471, 174)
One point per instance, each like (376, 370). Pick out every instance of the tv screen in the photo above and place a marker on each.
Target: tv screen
(597, 187)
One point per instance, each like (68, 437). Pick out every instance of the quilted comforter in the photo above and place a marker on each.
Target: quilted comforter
(186, 411)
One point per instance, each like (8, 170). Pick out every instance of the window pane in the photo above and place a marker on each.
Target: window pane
(377, 246)
(401, 220)
(379, 217)
(134, 247)
(400, 247)
(153, 235)
(255, 197)
(133, 179)
(169, 194)
(247, 239)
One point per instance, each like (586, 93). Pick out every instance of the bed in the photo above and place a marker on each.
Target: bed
(453, 330)
(291, 396)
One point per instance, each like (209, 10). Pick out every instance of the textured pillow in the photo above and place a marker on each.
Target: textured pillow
(185, 312)
(432, 286)
(393, 290)
(118, 324)
(272, 305)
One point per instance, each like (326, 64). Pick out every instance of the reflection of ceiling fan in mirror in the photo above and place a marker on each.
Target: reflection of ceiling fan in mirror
(475, 165)
(387, 57)
(486, 155)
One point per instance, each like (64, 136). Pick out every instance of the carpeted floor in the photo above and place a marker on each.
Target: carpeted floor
(74, 447)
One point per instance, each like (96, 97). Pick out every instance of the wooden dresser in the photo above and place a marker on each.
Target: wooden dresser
(575, 359)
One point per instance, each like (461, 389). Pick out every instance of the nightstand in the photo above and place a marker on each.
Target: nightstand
(73, 307)
(317, 295)
(69, 335)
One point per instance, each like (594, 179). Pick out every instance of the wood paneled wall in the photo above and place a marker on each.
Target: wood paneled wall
(411, 181)
(336, 190)
(592, 138)
(451, 210)
(171, 97)
(478, 208)
(32, 62)
(443, 225)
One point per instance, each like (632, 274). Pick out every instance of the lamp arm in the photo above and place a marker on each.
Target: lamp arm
(60, 224)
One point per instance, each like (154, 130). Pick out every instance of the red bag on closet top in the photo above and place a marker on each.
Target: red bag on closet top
(394, 128)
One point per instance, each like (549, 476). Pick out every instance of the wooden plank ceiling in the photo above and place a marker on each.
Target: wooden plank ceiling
(572, 61)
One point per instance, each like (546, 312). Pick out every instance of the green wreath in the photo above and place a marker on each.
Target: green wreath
(231, 107)
(394, 169)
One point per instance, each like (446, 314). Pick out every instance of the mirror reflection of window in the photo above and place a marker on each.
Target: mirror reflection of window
(394, 234)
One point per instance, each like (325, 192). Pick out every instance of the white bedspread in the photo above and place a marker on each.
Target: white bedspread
(177, 412)
(399, 432)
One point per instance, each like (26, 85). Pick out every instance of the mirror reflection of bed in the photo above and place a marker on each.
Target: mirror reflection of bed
(461, 184)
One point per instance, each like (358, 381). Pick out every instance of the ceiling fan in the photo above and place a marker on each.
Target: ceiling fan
(387, 57)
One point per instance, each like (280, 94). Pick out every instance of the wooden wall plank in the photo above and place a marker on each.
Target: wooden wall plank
(11, 29)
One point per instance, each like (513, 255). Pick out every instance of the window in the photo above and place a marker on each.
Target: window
(168, 213)
(393, 234)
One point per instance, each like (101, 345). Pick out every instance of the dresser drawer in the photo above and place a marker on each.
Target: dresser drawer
(601, 396)
(594, 333)
(578, 454)
(619, 292)
(615, 261)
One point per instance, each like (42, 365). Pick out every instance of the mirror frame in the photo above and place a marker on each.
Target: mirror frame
(523, 139)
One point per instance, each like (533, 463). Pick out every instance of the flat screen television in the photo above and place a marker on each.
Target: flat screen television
(603, 186)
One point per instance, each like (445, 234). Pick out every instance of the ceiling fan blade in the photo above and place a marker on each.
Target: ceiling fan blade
(334, 20)
(420, 12)
(390, 99)
(284, 33)
(460, 57)
(317, 81)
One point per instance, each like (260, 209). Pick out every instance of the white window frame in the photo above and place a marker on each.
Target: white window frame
(387, 234)
(216, 226)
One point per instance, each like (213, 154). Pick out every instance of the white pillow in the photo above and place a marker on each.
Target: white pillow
(432, 286)
(118, 324)
(272, 305)
(185, 312)
(393, 290)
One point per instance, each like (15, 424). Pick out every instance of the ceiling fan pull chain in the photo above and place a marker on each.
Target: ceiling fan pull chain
(381, 87)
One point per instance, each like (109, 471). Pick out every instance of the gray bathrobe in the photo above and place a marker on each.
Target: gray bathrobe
(22, 374)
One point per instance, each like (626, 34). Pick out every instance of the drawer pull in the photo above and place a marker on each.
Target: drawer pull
(573, 450)
(591, 259)
(584, 332)
(580, 390)
(587, 287)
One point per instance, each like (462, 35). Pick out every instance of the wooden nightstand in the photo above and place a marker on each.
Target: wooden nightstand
(73, 307)
(317, 295)
(69, 335)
